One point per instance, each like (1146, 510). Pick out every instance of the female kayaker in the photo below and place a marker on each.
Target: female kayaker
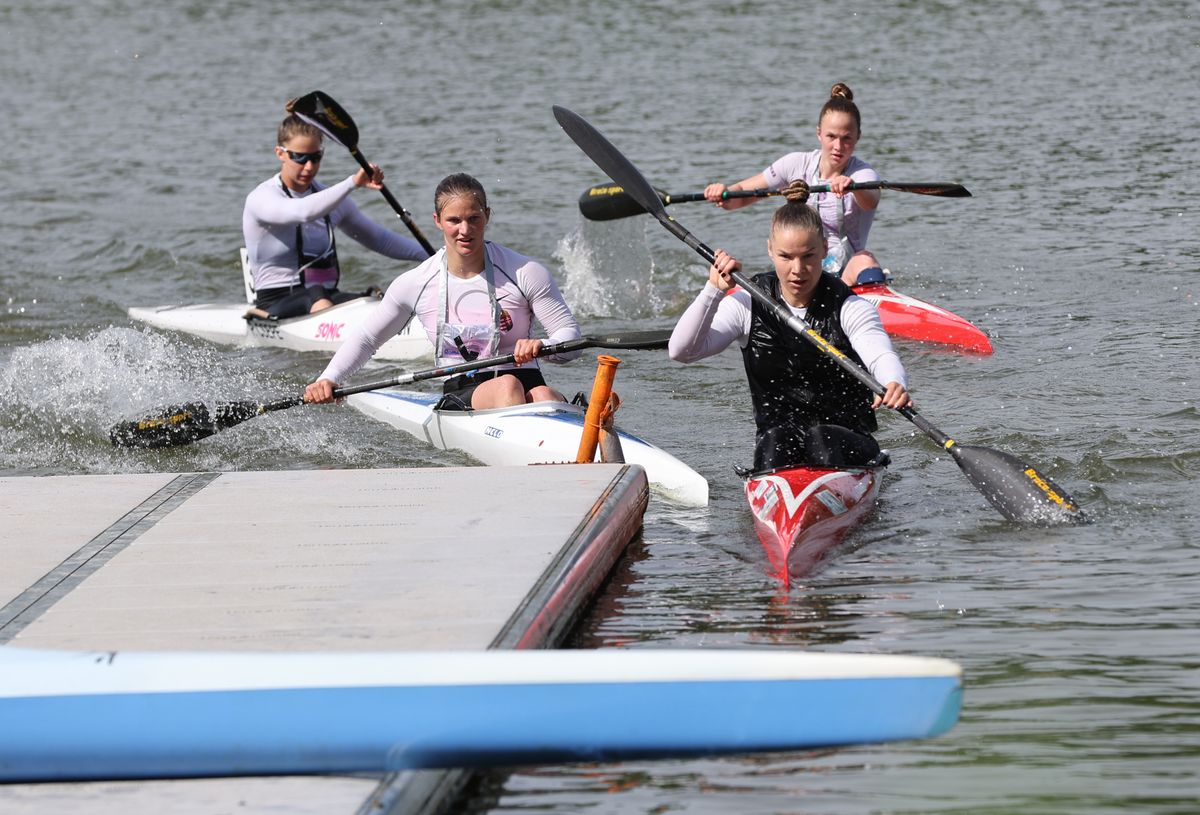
(806, 408)
(288, 224)
(475, 299)
(846, 217)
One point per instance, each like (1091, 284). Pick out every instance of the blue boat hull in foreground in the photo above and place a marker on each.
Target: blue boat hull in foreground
(117, 715)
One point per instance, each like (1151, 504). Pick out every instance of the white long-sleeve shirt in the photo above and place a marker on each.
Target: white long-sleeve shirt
(525, 290)
(270, 218)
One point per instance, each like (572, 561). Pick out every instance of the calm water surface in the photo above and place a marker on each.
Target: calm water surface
(134, 132)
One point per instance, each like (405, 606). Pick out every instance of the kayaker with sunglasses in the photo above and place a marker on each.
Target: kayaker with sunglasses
(288, 224)
(476, 299)
(846, 216)
(808, 411)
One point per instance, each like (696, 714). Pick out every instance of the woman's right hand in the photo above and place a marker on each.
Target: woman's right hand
(720, 274)
(320, 392)
(374, 180)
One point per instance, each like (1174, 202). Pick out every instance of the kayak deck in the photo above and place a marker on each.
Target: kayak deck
(324, 331)
(912, 319)
(535, 433)
(800, 513)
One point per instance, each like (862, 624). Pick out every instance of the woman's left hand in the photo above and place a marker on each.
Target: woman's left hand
(526, 350)
(895, 397)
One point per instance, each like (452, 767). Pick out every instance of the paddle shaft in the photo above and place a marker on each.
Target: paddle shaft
(938, 189)
(607, 202)
(323, 112)
(646, 340)
(404, 214)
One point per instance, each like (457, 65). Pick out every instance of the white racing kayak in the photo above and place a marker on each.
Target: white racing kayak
(71, 716)
(536, 433)
(325, 331)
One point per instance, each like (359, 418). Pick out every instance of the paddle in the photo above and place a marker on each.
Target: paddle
(323, 113)
(1017, 489)
(607, 202)
(183, 424)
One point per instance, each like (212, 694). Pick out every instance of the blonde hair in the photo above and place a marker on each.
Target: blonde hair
(841, 100)
(293, 126)
(796, 215)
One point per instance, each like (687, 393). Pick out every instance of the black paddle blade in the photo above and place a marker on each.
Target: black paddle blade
(609, 202)
(609, 159)
(1016, 488)
(181, 424)
(320, 111)
(640, 340)
(934, 188)
(168, 427)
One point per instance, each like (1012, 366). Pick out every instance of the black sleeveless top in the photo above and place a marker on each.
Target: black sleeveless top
(791, 381)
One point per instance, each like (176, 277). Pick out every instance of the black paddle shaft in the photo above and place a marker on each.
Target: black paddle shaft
(321, 111)
(183, 424)
(1016, 489)
(609, 202)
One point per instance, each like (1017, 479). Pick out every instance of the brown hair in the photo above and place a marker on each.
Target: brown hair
(292, 126)
(841, 100)
(796, 215)
(456, 184)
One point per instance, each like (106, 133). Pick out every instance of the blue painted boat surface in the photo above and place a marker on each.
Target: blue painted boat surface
(124, 715)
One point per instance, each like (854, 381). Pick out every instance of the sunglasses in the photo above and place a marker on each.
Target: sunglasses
(305, 158)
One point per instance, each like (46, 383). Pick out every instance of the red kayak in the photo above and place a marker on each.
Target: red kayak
(914, 319)
(800, 513)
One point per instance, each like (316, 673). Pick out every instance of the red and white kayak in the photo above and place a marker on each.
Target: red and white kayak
(800, 513)
(913, 319)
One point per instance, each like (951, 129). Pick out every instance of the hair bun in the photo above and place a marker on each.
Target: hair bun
(841, 91)
(290, 105)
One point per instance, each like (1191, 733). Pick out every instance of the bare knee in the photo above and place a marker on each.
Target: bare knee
(861, 260)
(545, 393)
(503, 391)
(320, 305)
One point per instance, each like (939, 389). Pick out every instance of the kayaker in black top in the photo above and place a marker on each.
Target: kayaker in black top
(806, 408)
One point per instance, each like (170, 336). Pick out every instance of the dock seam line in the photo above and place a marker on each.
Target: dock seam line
(89, 558)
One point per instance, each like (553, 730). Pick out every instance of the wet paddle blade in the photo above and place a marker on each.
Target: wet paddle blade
(167, 427)
(178, 425)
(609, 159)
(1016, 488)
(322, 112)
(640, 340)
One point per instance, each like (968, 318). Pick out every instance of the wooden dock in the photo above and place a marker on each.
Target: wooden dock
(357, 560)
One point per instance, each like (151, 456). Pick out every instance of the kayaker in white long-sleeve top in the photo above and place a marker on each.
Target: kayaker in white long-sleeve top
(846, 215)
(475, 299)
(806, 408)
(288, 224)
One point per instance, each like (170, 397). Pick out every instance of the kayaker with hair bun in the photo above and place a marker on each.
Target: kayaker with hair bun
(288, 224)
(806, 408)
(846, 216)
(476, 299)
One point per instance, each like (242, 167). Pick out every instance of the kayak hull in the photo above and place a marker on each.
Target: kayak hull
(70, 716)
(324, 331)
(536, 433)
(800, 513)
(912, 319)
